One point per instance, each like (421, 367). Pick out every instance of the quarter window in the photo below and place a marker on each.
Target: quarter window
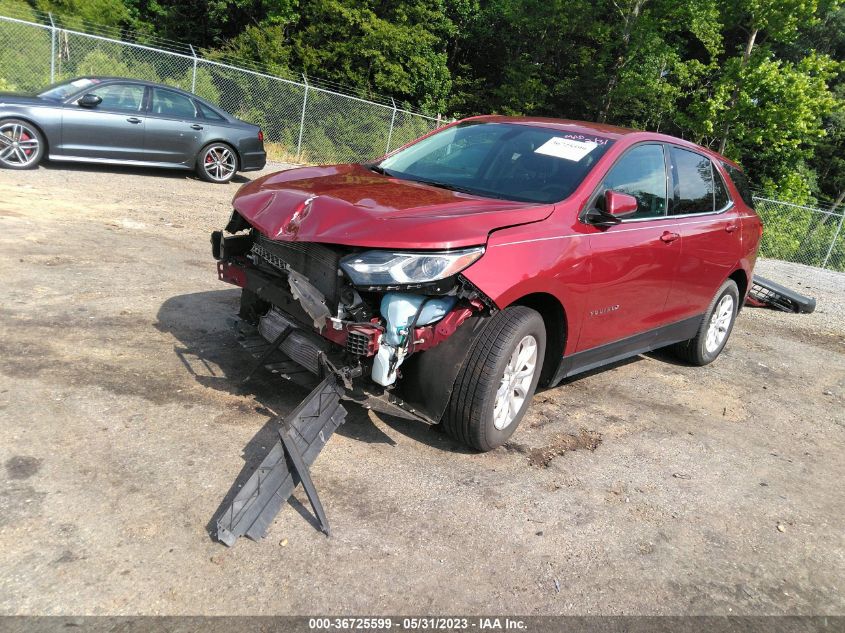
(121, 97)
(741, 183)
(641, 173)
(208, 113)
(172, 104)
(694, 190)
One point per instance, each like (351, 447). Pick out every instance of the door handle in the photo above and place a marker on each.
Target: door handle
(668, 237)
(196, 126)
(134, 119)
(733, 226)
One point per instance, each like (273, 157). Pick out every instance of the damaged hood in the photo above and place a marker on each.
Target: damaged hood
(353, 206)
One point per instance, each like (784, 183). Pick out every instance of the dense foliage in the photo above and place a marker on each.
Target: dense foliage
(760, 80)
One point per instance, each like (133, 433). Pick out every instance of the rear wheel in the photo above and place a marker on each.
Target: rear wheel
(21, 144)
(494, 388)
(715, 329)
(217, 162)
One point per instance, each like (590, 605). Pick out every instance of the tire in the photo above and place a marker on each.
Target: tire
(21, 144)
(217, 163)
(471, 413)
(715, 329)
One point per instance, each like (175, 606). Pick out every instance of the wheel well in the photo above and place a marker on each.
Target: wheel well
(554, 318)
(741, 280)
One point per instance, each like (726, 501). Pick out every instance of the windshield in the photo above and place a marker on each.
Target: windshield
(64, 90)
(500, 160)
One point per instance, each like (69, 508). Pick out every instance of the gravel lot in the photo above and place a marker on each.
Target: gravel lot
(647, 488)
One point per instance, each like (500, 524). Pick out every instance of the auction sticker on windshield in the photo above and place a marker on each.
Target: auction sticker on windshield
(566, 148)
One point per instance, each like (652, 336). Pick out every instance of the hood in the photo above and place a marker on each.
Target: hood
(353, 206)
(19, 98)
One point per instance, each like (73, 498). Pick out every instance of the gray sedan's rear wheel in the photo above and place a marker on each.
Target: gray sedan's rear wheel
(217, 162)
(21, 144)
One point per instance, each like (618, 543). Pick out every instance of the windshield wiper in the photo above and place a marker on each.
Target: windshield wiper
(376, 168)
(458, 188)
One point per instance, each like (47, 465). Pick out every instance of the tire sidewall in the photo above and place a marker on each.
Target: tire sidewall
(729, 287)
(491, 437)
(39, 155)
(201, 163)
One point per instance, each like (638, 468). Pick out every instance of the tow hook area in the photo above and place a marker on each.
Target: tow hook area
(302, 435)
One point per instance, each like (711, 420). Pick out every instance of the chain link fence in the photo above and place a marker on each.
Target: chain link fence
(806, 235)
(303, 121)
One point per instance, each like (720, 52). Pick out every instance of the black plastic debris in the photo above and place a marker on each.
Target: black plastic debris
(302, 435)
(765, 292)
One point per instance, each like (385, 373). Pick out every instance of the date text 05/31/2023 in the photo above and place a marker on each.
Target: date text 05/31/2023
(417, 623)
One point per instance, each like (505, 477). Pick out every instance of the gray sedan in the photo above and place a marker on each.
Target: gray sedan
(126, 122)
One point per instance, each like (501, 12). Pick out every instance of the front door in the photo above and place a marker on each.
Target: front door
(174, 129)
(112, 130)
(632, 264)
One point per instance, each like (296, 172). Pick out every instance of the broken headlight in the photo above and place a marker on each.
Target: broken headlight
(385, 268)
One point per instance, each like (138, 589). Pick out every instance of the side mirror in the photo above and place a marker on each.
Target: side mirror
(89, 101)
(619, 205)
(616, 206)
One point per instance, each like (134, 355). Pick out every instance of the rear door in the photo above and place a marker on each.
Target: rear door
(112, 130)
(174, 127)
(632, 264)
(710, 229)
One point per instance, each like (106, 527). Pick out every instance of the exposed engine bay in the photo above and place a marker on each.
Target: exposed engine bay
(388, 318)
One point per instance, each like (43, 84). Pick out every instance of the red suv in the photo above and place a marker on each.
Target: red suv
(447, 280)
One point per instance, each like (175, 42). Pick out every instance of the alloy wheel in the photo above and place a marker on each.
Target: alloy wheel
(18, 144)
(515, 383)
(720, 323)
(219, 163)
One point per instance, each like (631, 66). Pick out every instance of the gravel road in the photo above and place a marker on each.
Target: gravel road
(647, 488)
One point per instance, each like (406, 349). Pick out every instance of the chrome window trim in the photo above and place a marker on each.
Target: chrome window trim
(724, 209)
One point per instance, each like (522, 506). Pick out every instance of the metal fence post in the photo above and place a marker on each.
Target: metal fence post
(52, 49)
(390, 133)
(194, 75)
(835, 237)
(302, 119)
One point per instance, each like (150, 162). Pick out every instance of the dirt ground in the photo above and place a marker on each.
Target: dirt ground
(647, 488)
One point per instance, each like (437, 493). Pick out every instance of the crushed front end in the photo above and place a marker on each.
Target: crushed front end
(348, 323)
(395, 325)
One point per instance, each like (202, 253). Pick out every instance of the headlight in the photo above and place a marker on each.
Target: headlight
(385, 268)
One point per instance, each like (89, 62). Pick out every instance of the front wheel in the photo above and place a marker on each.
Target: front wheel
(21, 144)
(716, 327)
(494, 388)
(217, 162)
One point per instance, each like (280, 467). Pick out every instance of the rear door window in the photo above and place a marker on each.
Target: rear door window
(721, 196)
(641, 172)
(172, 104)
(694, 189)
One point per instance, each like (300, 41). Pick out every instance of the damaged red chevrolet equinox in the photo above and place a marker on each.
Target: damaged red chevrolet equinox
(449, 279)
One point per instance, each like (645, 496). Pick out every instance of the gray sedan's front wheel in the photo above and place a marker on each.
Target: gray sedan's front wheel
(217, 162)
(21, 144)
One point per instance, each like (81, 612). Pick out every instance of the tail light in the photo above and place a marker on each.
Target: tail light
(260, 136)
